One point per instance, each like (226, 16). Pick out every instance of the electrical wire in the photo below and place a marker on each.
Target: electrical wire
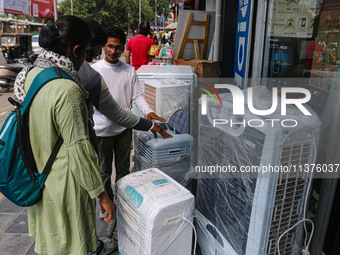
(296, 224)
(194, 251)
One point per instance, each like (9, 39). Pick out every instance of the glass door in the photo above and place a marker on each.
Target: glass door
(302, 48)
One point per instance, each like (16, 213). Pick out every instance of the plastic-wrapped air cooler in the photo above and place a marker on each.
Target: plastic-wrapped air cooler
(167, 95)
(151, 213)
(168, 155)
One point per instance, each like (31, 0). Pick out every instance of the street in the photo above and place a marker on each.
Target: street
(5, 106)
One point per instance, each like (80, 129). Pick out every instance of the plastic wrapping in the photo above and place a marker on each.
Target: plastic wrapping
(151, 213)
(246, 212)
(172, 156)
(167, 95)
(176, 163)
(166, 72)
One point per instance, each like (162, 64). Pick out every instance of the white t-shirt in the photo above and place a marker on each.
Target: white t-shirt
(124, 86)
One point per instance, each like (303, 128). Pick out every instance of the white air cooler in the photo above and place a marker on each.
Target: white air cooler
(151, 213)
(166, 96)
(252, 212)
(169, 155)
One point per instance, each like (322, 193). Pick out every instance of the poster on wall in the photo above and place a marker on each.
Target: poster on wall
(328, 37)
(16, 7)
(292, 18)
(42, 8)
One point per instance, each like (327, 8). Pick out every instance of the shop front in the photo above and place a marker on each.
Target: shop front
(281, 46)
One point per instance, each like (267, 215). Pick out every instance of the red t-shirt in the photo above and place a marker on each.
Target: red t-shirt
(139, 47)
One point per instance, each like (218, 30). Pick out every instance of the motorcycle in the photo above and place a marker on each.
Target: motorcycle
(8, 73)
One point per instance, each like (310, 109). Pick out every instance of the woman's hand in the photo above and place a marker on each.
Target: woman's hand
(106, 206)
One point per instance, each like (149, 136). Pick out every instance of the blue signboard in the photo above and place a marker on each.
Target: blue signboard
(242, 46)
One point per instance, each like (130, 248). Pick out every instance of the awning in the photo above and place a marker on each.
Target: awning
(171, 26)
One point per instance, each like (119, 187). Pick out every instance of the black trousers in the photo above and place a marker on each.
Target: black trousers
(118, 146)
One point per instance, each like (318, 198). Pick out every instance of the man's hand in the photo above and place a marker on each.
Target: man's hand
(154, 116)
(106, 205)
(158, 129)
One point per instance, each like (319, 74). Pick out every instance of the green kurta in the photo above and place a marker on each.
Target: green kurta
(64, 220)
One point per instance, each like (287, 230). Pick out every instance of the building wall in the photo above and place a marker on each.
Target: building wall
(210, 5)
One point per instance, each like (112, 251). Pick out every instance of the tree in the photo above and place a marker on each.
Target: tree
(110, 12)
(160, 5)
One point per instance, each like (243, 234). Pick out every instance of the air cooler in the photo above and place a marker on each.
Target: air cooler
(167, 95)
(175, 74)
(151, 213)
(248, 213)
(168, 155)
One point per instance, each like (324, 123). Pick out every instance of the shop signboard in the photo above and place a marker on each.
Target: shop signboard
(42, 8)
(242, 46)
(17, 7)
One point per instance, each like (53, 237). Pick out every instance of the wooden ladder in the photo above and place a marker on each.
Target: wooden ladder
(185, 38)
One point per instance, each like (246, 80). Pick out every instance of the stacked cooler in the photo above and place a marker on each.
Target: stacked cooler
(167, 95)
(175, 74)
(153, 214)
(169, 155)
(167, 89)
(178, 72)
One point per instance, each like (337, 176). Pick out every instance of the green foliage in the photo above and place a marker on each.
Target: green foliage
(160, 5)
(122, 13)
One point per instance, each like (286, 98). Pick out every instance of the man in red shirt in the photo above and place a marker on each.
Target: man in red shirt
(139, 46)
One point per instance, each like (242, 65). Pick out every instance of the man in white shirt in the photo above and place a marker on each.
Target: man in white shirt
(124, 86)
(166, 36)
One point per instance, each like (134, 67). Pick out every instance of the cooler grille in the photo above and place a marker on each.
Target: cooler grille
(289, 200)
(154, 156)
(150, 96)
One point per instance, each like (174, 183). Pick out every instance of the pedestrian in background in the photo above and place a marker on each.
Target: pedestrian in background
(63, 222)
(153, 35)
(139, 47)
(124, 86)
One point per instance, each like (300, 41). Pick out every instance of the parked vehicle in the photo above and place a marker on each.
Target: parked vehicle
(8, 73)
(35, 44)
(15, 46)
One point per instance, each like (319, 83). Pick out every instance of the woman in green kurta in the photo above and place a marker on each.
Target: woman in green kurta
(63, 222)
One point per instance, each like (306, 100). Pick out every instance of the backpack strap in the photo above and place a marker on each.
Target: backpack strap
(39, 81)
(50, 161)
(45, 76)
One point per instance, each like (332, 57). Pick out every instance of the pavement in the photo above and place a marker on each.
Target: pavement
(14, 239)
